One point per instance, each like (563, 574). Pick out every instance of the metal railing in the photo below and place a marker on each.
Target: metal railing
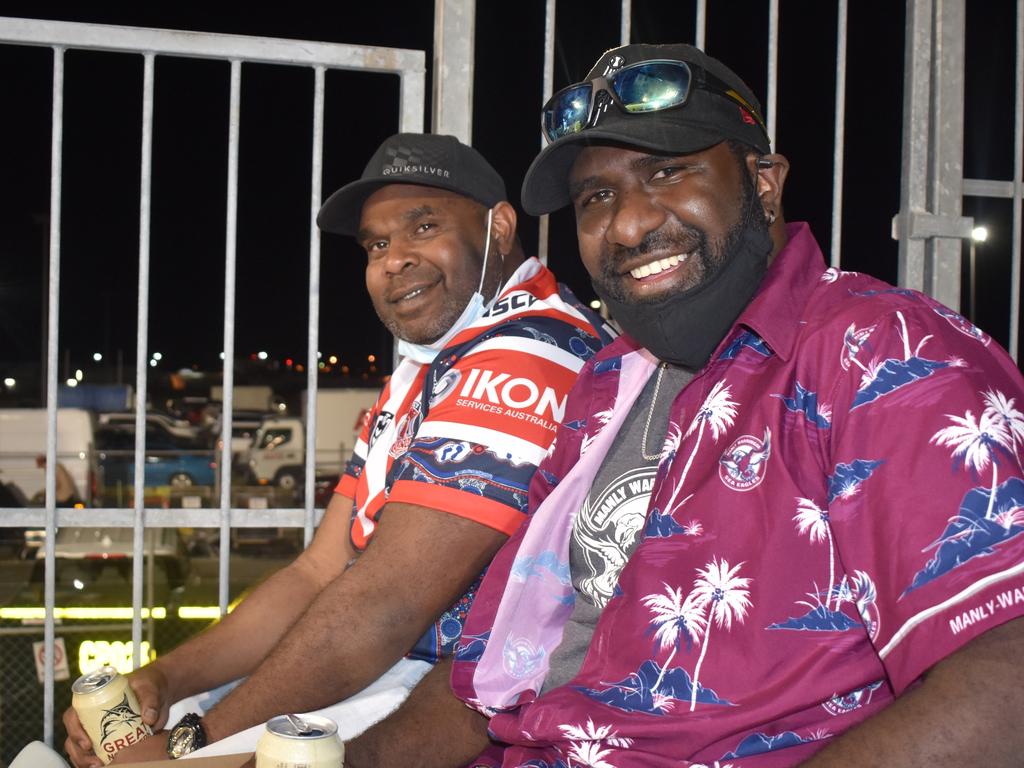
(238, 50)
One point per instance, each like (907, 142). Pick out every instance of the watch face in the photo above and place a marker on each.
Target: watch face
(181, 741)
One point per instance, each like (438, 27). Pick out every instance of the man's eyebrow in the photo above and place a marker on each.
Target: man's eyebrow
(413, 214)
(577, 188)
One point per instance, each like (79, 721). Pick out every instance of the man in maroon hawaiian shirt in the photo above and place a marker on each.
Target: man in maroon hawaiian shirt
(781, 522)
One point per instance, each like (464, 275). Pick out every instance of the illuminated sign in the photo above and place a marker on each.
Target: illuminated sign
(93, 654)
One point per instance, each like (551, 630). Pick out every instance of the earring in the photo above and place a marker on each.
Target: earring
(770, 217)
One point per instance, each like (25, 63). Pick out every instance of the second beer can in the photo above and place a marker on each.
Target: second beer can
(306, 741)
(109, 712)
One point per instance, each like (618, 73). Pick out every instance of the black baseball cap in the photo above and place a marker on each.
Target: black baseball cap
(430, 160)
(707, 117)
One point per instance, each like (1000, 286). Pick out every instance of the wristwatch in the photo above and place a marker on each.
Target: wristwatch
(187, 736)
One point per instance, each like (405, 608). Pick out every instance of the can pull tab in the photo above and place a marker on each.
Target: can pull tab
(301, 726)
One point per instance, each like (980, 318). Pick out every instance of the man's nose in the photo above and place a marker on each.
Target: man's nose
(401, 256)
(636, 216)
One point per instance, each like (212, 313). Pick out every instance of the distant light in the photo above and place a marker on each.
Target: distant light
(371, 358)
(300, 368)
(78, 374)
(319, 355)
(97, 356)
(78, 584)
(979, 234)
(72, 382)
(262, 355)
(344, 369)
(595, 304)
(9, 382)
(289, 362)
(322, 365)
(282, 407)
(152, 363)
(221, 355)
(157, 356)
(333, 359)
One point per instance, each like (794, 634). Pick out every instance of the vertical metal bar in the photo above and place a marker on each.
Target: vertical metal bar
(141, 354)
(53, 320)
(700, 34)
(412, 94)
(625, 22)
(313, 330)
(546, 91)
(1018, 188)
(230, 251)
(945, 185)
(837, 151)
(454, 40)
(914, 175)
(773, 69)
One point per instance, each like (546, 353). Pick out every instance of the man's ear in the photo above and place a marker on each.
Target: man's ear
(770, 181)
(503, 227)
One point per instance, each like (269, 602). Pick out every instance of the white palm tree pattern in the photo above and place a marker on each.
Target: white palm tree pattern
(586, 743)
(677, 620)
(975, 444)
(602, 418)
(1001, 408)
(814, 521)
(726, 598)
(589, 753)
(719, 411)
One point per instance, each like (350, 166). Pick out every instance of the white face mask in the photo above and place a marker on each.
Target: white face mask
(425, 353)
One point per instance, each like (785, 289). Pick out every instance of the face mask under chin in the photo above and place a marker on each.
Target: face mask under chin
(685, 328)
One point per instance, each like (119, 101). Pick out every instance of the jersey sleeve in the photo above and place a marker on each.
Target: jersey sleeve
(349, 480)
(491, 418)
(926, 489)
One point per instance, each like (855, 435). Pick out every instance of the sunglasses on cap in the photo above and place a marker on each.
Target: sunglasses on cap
(647, 86)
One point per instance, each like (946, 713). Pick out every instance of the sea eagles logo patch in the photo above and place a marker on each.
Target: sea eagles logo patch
(445, 386)
(743, 464)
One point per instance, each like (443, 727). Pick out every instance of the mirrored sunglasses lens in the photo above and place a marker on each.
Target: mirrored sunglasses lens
(568, 111)
(652, 86)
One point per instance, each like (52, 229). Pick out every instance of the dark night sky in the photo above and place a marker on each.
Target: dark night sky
(102, 150)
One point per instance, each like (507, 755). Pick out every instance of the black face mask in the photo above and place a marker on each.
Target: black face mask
(684, 329)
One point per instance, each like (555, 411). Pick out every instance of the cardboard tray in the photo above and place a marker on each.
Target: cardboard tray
(221, 761)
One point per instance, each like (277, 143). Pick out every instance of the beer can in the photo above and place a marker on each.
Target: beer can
(109, 711)
(300, 741)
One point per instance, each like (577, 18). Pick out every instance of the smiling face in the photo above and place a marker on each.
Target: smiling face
(424, 250)
(652, 225)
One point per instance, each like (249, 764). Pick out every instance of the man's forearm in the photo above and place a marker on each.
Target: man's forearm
(966, 712)
(432, 729)
(419, 563)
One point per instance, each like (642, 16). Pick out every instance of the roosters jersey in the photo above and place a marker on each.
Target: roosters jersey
(465, 433)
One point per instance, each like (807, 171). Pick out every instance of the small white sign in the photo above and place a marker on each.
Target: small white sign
(257, 502)
(60, 659)
(191, 502)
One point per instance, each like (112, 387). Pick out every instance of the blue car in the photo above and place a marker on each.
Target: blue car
(169, 461)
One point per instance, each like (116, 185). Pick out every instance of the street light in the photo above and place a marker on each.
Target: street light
(978, 235)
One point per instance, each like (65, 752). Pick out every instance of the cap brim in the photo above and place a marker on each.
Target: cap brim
(343, 210)
(546, 186)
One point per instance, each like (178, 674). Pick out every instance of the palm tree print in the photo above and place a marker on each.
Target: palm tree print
(586, 742)
(1001, 409)
(814, 521)
(726, 597)
(719, 411)
(975, 444)
(677, 620)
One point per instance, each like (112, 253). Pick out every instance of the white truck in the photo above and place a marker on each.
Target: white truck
(279, 449)
(23, 440)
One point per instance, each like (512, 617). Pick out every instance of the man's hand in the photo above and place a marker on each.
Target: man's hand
(150, 688)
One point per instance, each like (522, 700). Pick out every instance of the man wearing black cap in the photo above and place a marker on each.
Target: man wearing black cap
(491, 345)
(827, 567)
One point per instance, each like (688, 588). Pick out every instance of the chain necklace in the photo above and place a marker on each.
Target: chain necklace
(650, 415)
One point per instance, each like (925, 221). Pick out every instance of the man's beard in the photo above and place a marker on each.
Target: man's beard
(445, 315)
(709, 256)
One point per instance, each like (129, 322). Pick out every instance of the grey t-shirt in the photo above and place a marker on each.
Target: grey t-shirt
(608, 526)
